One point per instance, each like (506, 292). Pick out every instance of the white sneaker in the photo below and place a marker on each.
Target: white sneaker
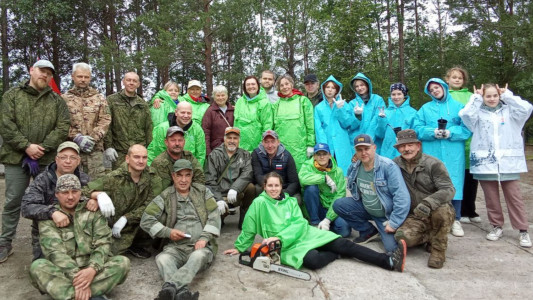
(524, 239)
(475, 219)
(457, 229)
(465, 220)
(495, 234)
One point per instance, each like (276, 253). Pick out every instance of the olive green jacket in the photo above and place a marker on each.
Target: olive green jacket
(163, 166)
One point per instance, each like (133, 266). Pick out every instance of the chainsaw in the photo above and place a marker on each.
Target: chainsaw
(266, 258)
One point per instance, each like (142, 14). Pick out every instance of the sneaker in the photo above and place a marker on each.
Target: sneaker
(398, 256)
(139, 252)
(5, 252)
(525, 241)
(168, 292)
(495, 234)
(475, 219)
(365, 238)
(457, 229)
(465, 220)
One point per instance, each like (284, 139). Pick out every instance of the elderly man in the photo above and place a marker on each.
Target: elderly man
(186, 214)
(271, 156)
(130, 121)
(131, 187)
(229, 174)
(431, 215)
(194, 134)
(164, 162)
(89, 120)
(268, 79)
(378, 193)
(33, 122)
(312, 88)
(38, 203)
(323, 183)
(78, 262)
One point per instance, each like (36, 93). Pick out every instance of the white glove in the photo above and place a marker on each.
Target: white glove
(382, 112)
(445, 134)
(310, 151)
(106, 205)
(111, 154)
(324, 224)
(358, 109)
(232, 196)
(119, 225)
(438, 134)
(331, 184)
(222, 207)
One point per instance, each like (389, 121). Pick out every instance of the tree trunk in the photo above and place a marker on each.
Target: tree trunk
(55, 52)
(418, 56)
(138, 40)
(401, 45)
(5, 49)
(114, 42)
(389, 42)
(108, 75)
(441, 33)
(208, 41)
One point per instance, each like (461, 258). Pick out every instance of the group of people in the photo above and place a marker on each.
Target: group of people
(178, 165)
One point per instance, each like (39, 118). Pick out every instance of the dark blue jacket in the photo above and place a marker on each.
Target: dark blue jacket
(282, 163)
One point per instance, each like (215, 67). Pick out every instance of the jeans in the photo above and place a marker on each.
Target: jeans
(317, 212)
(457, 206)
(355, 214)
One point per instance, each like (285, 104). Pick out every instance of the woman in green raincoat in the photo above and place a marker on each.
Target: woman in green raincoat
(276, 216)
(164, 102)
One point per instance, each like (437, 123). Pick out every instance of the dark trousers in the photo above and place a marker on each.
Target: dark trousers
(320, 257)
(468, 207)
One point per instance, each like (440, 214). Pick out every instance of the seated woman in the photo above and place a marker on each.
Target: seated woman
(277, 216)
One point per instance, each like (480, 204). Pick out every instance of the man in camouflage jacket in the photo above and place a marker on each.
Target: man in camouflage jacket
(187, 215)
(33, 122)
(89, 120)
(78, 262)
(130, 121)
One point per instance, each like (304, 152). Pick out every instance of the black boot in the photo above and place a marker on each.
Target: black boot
(168, 292)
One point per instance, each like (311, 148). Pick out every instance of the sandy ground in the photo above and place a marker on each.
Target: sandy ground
(475, 269)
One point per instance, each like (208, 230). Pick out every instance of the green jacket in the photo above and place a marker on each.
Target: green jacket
(85, 242)
(462, 96)
(160, 114)
(197, 214)
(163, 166)
(253, 117)
(238, 175)
(194, 141)
(130, 122)
(294, 123)
(269, 217)
(129, 198)
(29, 117)
(198, 108)
(309, 175)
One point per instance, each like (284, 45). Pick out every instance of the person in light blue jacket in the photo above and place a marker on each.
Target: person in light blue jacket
(328, 126)
(398, 115)
(447, 143)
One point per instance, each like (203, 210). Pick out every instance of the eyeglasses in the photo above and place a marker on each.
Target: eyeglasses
(71, 158)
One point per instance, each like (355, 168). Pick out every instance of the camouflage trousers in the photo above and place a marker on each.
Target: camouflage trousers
(179, 264)
(93, 164)
(130, 235)
(50, 279)
(434, 230)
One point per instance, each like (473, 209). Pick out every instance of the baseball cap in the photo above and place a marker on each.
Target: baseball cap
(66, 145)
(271, 133)
(321, 147)
(310, 78)
(405, 137)
(174, 129)
(67, 182)
(194, 83)
(232, 130)
(363, 140)
(182, 164)
(43, 63)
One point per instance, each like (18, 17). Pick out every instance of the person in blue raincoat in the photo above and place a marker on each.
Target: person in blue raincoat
(447, 144)
(398, 115)
(328, 128)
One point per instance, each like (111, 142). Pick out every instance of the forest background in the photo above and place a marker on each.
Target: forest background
(222, 41)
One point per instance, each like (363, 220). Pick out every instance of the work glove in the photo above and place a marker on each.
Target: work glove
(331, 184)
(30, 165)
(310, 151)
(106, 205)
(232, 196)
(340, 103)
(85, 142)
(324, 224)
(222, 207)
(119, 225)
(422, 210)
(111, 154)
(358, 110)
(382, 112)
(438, 134)
(445, 134)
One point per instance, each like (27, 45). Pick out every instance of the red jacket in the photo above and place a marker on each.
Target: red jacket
(214, 125)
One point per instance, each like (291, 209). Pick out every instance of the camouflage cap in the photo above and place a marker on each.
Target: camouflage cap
(66, 145)
(67, 182)
(182, 164)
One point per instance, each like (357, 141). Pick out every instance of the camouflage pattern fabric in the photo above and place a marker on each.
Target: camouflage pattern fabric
(163, 163)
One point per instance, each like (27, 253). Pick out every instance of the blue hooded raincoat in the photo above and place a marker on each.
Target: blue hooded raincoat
(330, 130)
(451, 150)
